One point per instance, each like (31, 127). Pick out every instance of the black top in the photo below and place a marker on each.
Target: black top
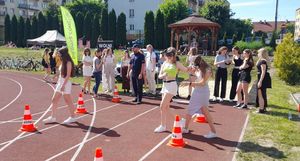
(259, 66)
(249, 68)
(238, 62)
(137, 61)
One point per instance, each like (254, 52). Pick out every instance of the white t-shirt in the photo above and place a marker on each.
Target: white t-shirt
(87, 59)
(109, 59)
(192, 59)
(149, 60)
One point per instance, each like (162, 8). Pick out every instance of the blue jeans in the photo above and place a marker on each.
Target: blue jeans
(98, 79)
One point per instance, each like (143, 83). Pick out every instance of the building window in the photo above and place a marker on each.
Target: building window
(131, 27)
(131, 13)
(131, 0)
(11, 1)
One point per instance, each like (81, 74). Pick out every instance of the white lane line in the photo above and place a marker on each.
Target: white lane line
(241, 138)
(19, 94)
(16, 119)
(53, 126)
(154, 148)
(121, 124)
(20, 135)
(87, 134)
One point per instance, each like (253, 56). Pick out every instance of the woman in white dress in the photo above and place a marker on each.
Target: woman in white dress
(108, 71)
(87, 68)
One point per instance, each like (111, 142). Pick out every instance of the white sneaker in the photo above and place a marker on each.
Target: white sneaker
(221, 100)
(50, 119)
(160, 129)
(214, 99)
(230, 100)
(182, 123)
(210, 135)
(69, 120)
(185, 131)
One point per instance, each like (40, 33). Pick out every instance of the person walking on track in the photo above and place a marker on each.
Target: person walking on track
(237, 61)
(57, 63)
(169, 89)
(245, 79)
(87, 70)
(150, 69)
(97, 71)
(46, 64)
(221, 62)
(108, 70)
(200, 96)
(63, 87)
(137, 70)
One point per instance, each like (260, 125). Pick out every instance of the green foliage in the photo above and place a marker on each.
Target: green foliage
(20, 42)
(14, 28)
(169, 20)
(287, 60)
(243, 37)
(112, 22)
(95, 30)
(55, 23)
(79, 24)
(290, 28)
(34, 27)
(27, 31)
(7, 28)
(87, 32)
(49, 22)
(273, 40)
(41, 24)
(85, 6)
(121, 30)
(254, 45)
(149, 28)
(234, 38)
(159, 30)
(104, 24)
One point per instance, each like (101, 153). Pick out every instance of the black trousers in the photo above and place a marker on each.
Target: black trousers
(264, 95)
(221, 75)
(234, 83)
(137, 87)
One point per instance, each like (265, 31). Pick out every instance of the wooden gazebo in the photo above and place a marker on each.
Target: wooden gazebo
(194, 23)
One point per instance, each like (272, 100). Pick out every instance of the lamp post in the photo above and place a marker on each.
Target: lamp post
(276, 14)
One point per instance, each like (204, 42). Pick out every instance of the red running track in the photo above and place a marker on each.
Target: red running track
(124, 131)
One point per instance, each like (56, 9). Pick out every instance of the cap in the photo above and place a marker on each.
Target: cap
(136, 46)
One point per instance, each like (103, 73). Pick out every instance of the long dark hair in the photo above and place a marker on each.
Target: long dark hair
(250, 60)
(201, 64)
(171, 52)
(65, 58)
(237, 49)
(87, 50)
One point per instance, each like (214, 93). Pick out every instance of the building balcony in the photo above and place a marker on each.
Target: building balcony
(27, 6)
(2, 2)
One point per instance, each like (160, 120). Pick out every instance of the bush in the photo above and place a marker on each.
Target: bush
(287, 60)
(270, 50)
(254, 45)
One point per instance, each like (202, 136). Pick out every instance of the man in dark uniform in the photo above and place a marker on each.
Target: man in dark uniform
(137, 67)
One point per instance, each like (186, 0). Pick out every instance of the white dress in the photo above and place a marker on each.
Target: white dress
(87, 69)
(60, 82)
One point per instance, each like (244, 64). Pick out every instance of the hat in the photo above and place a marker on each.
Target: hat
(136, 46)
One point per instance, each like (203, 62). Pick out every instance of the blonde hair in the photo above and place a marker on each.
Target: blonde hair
(264, 55)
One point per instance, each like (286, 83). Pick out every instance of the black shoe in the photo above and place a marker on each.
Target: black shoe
(138, 102)
(189, 97)
(243, 106)
(238, 105)
(135, 100)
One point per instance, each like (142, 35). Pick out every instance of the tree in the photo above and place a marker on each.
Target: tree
(85, 6)
(79, 24)
(104, 24)
(55, 23)
(95, 30)
(27, 31)
(20, 30)
(159, 30)
(149, 28)
(87, 25)
(273, 40)
(243, 37)
(7, 29)
(234, 39)
(34, 27)
(41, 24)
(290, 28)
(169, 20)
(49, 22)
(112, 25)
(14, 28)
(121, 30)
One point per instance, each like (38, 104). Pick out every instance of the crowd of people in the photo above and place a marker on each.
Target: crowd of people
(138, 68)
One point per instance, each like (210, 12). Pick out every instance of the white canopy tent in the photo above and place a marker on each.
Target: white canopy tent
(51, 37)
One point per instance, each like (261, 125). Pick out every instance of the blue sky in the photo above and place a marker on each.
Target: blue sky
(264, 9)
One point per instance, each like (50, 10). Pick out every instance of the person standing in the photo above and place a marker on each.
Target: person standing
(87, 69)
(63, 87)
(244, 79)
(57, 64)
(137, 69)
(221, 62)
(46, 64)
(97, 71)
(169, 89)
(237, 61)
(264, 80)
(109, 70)
(191, 56)
(150, 69)
(124, 68)
(200, 97)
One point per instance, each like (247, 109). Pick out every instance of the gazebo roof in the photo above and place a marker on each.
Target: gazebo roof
(194, 21)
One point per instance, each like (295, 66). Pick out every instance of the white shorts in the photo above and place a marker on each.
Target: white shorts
(170, 87)
(68, 86)
(87, 71)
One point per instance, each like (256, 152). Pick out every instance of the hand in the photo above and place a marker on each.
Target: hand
(140, 76)
(62, 89)
(259, 84)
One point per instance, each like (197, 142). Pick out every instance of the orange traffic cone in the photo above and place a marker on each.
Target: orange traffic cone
(98, 155)
(200, 118)
(116, 98)
(176, 139)
(80, 105)
(27, 125)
